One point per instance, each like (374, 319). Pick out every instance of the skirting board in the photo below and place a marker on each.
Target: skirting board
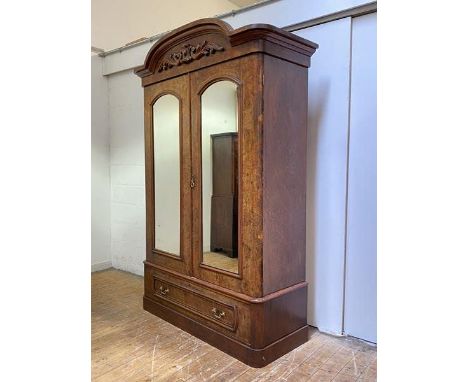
(101, 266)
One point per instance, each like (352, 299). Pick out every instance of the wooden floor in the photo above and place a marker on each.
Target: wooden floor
(220, 261)
(129, 344)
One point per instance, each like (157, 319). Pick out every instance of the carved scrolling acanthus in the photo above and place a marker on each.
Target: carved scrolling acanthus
(190, 53)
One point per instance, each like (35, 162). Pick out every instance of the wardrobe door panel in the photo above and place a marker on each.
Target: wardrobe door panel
(226, 163)
(167, 146)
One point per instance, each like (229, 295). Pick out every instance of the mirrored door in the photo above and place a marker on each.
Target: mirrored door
(216, 140)
(166, 147)
(220, 174)
(168, 164)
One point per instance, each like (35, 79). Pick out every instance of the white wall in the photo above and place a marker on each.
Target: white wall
(127, 172)
(115, 23)
(361, 260)
(329, 89)
(100, 175)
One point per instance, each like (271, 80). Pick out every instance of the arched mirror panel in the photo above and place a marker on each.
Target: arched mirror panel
(166, 143)
(220, 147)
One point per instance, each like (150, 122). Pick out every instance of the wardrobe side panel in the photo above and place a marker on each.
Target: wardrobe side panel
(284, 174)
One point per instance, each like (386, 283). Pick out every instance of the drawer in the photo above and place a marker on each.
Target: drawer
(214, 311)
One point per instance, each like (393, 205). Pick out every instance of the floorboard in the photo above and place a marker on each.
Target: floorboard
(129, 344)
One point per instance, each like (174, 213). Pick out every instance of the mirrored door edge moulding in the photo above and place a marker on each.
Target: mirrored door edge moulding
(219, 131)
(166, 143)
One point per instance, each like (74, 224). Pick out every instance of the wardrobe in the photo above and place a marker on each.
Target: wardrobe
(225, 116)
(224, 148)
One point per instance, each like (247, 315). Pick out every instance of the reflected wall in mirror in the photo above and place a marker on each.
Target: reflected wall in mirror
(219, 135)
(166, 139)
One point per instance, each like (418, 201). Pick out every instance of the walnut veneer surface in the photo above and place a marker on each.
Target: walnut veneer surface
(130, 344)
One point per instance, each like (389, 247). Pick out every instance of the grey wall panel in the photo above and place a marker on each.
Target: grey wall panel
(360, 315)
(326, 174)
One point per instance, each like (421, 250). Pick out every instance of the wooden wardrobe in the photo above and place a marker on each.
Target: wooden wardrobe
(225, 148)
(225, 152)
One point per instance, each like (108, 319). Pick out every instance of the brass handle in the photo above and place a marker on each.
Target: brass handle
(164, 290)
(192, 182)
(218, 313)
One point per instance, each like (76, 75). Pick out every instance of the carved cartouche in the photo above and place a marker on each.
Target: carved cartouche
(190, 53)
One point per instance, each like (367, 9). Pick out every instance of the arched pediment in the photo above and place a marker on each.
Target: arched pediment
(188, 43)
(209, 41)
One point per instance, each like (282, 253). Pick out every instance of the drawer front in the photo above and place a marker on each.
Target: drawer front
(214, 311)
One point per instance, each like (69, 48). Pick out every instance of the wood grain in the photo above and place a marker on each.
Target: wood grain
(284, 174)
(246, 73)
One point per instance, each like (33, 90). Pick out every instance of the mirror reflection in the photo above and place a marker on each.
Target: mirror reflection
(220, 175)
(166, 174)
